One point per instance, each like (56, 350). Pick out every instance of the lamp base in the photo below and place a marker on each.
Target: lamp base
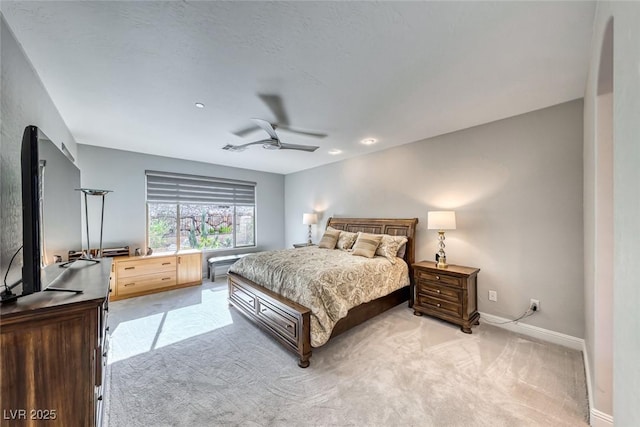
(442, 262)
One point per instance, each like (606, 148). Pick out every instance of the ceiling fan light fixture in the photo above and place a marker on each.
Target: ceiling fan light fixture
(199, 105)
(368, 141)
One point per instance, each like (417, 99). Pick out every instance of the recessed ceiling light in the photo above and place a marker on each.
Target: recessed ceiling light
(199, 105)
(368, 141)
(335, 151)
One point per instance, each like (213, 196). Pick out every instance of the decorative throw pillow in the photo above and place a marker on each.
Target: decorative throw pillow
(366, 244)
(389, 246)
(329, 239)
(346, 239)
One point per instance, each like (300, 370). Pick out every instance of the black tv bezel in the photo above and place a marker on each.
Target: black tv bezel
(31, 251)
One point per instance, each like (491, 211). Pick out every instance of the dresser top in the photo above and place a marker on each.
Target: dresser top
(456, 270)
(91, 278)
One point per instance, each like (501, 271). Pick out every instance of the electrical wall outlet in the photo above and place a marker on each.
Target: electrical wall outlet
(493, 296)
(534, 303)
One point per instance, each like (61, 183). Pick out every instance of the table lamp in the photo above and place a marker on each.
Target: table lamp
(309, 219)
(441, 221)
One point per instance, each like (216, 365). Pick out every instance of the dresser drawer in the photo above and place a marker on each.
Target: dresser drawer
(278, 319)
(439, 278)
(436, 290)
(243, 297)
(133, 285)
(145, 266)
(439, 305)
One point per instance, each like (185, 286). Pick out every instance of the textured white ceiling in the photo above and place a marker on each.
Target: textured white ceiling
(127, 74)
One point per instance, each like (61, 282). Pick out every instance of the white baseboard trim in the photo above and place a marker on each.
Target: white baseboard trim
(600, 419)
(587, 373)
(596, 418)
(536, 332)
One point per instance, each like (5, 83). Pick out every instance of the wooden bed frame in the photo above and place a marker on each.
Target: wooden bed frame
(290, 323)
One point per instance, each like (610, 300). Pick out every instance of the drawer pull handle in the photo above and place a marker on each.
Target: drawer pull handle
(166, 278)
(437, 277)
(129, 268)
(129, 284)
(264, 310)
(166, 263)
(290, 326)
(438, 305)
(438, 290)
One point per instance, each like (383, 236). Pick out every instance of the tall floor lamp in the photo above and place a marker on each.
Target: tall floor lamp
(88, 256)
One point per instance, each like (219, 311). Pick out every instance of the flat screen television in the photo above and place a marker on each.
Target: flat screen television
(51, 207)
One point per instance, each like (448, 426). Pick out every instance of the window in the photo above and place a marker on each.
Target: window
(196, 212)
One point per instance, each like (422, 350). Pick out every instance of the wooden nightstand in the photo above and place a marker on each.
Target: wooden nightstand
(449, 294)
(303, 245)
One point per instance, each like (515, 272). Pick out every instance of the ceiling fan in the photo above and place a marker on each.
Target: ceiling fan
(271, 143)
(275, 104)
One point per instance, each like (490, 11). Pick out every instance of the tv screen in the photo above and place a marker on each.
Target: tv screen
(51, 206)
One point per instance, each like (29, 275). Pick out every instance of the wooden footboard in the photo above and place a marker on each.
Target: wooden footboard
(289, 322)
(286, 321)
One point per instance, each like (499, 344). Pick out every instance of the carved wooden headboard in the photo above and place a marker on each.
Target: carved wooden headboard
(391, 226)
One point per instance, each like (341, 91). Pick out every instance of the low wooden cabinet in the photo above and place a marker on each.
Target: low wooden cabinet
(142, 275)
(447, 293)
(54, 351)
(189, 268)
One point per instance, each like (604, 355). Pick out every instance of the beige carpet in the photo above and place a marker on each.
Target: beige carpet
(185, 358)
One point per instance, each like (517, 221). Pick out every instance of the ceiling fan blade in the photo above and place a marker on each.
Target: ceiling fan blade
(267, 127)
(274, 102)
(309, 148)
(231, 147)
(246, 131)
(302, 132)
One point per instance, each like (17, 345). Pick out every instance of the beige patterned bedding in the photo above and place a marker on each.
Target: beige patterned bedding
(327, 281)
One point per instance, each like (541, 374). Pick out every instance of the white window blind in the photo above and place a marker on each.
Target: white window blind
(167, 187)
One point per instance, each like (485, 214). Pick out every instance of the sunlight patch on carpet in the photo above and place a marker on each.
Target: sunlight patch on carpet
(136, 336)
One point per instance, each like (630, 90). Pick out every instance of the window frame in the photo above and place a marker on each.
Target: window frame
(178, 203)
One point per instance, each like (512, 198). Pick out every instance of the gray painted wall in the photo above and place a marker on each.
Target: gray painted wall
(516, 187)
(626, 205)
(125, 208)
(25, 102)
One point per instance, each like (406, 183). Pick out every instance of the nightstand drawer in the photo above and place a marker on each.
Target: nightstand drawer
(439, 278)
(440, 305)
(438, 291)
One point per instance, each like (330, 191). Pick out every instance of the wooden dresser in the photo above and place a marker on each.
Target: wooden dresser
(54, 351)
(450, 294)
(142, 275)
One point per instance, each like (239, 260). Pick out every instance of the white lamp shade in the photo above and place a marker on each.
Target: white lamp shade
(309, 218)
(441, 220)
